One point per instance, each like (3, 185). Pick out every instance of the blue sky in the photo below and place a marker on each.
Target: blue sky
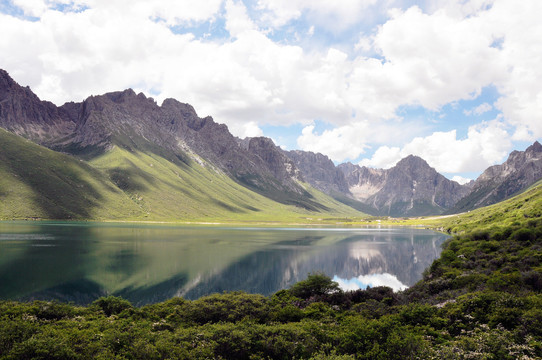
(456, 82)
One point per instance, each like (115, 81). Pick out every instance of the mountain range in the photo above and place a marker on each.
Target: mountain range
(122, 156)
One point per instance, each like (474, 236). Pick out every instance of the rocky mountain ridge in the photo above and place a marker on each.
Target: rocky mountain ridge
(174, 131)
(138, 123)
(499, 182)
(24, 114)
(413, 188)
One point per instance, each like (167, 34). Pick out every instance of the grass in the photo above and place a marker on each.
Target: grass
(170, 192)
(132, 185)
(39, 183)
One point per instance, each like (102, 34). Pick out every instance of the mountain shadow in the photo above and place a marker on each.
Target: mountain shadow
(61, 187)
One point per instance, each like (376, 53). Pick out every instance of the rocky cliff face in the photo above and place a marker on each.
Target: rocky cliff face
(410, 188)
(363, 182)
(319, 171)
(24, 114)
(280, 165)
(519, 171)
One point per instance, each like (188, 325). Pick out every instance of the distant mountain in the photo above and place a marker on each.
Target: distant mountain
(319, 171)
(410, 188)
(499, 182)
(413, 188)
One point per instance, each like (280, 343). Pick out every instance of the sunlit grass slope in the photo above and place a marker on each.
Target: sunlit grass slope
(171, 190)
(36, 182)
(516, 211)
(124, 184)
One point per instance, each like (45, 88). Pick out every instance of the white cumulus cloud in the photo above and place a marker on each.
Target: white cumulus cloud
(461, 180)
(331, 15)
(384, 157)
(485, 145)
(339, 144)
(432, 57)
(479, 110)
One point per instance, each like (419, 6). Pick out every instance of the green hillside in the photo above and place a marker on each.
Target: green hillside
(36, 182)
(123, 184)
(516, 211)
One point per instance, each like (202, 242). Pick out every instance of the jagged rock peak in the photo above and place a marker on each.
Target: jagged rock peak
(121, 96)
(412, 161)
(5, 79)
(171, 103)
(7, 85)
(23, 113)
(536, 147)
(261, 141)
(315, 156)
(319, 171)
(496, 183)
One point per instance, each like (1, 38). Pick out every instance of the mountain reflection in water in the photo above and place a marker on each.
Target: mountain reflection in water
(147, 263)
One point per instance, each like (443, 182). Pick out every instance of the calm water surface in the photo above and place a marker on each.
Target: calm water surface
(80, 262)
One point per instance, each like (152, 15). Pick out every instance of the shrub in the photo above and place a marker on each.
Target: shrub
(52, 310)
(317, 284)
(533, 279)
(112, 305)
(524, 235)
(234, 306)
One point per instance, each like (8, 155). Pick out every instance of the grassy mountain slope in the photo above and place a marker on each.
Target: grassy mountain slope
(36, 182)
(171, 190)
(123, 184)
(517, 211)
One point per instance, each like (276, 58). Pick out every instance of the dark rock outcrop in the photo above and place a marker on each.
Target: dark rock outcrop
(280, 165)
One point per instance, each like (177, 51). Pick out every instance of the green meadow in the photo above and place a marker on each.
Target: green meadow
(131, 185)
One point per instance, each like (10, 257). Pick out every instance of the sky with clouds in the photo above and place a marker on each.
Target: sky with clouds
(456, 82)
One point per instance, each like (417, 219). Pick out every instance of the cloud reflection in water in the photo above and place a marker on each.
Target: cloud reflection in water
(372, 280)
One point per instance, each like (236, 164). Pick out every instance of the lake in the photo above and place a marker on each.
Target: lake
(80, 262)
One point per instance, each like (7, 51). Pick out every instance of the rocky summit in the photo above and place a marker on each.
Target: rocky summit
(410, 188)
